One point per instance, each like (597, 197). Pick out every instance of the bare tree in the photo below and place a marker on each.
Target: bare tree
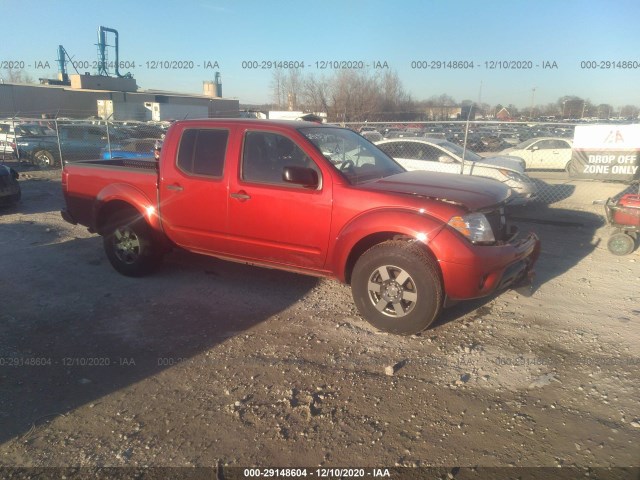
(11, 75)
(629, 111)
(278, 87)
(315, 93)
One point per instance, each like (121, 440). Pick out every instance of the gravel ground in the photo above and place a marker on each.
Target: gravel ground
(211, 363)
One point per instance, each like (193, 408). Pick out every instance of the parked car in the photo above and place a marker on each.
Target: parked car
(41, 150)
(437, 155)
(543, 153)
(307, 198)
(9, 186)
(372, 135)
(139, 130)
(77, 142)
(133, 148)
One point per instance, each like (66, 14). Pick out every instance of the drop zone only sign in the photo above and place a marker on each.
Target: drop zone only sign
(606, 152)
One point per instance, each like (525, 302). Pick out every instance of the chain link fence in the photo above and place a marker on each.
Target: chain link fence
(530, 158)
(49, 143)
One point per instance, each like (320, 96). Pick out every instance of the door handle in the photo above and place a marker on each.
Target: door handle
(175, 187)
(241, 195)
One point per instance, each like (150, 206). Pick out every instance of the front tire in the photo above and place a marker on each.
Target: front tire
(130, 245)
(397, 288)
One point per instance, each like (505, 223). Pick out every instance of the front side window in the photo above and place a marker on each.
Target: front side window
(265, 155)
(459, 151)
(202, 151)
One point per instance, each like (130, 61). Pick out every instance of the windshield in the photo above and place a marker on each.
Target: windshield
(356, 158)
(458, 150)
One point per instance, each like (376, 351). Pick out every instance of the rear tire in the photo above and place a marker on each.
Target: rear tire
(397, 288)
(130, 245)
(567, 167)
(44, 158)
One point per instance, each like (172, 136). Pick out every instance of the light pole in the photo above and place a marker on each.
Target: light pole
(564, 103)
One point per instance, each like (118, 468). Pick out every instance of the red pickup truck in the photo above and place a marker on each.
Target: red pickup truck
(308, 198)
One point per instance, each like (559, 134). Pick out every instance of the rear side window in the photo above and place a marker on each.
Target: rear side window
(202, 152)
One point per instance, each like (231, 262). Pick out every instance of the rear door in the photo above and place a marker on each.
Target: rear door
(193, 193)
(273, 220)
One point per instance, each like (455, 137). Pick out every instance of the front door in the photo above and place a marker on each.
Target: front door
(273, 220)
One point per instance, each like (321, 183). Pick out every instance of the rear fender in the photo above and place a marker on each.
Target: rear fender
(117, 196)
(373, 227)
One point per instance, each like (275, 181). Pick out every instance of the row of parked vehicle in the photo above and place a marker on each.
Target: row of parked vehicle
(539, 146)
(431, 148)
(47, 144)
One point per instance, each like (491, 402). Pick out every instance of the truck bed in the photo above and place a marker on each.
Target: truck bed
(86, 181)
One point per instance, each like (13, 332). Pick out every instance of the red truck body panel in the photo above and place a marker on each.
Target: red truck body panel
(318, 231)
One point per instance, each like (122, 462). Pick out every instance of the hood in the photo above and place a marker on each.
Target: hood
(505, 161)
(474, 193)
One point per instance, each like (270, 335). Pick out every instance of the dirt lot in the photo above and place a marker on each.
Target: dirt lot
(208, 362)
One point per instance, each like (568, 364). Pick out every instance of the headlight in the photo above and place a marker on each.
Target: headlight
(474, 226)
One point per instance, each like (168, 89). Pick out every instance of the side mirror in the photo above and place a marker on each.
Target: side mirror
(445, 159)
(306, 177)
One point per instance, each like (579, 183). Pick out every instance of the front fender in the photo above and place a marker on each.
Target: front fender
(121, 195)
(372, 227)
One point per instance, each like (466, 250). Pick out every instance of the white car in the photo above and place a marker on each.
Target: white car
(543, 153)
(437, 155)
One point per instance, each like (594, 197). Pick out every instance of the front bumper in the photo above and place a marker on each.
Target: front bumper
(473, 271)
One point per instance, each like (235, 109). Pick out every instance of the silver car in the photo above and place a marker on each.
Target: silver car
(437, 155)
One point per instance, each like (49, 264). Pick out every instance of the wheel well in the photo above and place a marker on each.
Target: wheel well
(109, 209)
(366, 243)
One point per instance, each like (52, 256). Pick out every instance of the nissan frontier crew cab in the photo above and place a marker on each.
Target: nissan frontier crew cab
(307, 198)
